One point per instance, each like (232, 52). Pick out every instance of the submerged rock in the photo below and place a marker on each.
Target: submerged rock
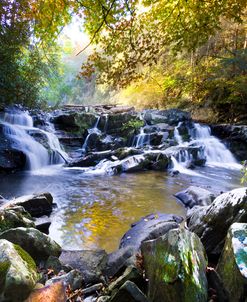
(175, 265)
(232, 266)
(211, 223)
(13, 218)
(89, 263)
(17, 272)
(193, 196)
(149, 227)
(37, 244)
(36, 205)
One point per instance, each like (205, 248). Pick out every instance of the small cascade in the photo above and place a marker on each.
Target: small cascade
(90, 132)
(19, 129)
(177, 136)
(215, 151)
(142, 139)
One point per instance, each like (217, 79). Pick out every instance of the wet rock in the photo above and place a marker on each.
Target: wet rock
(211, 223)
(195, 196)
(36, 205)
(73, 279)
(129, 292)
(37, 244)
(131, 273)
(17, 272)
(13, 218)
(65, 121)
(42, 224)
(103, 299)
(92, 289)
(54, 264)
(175, 266)
(119, 260)
(11, 159)
(232, 266)
(89, 263)
(53, 293)
(149, 227)
(171, 116)
(215, 283)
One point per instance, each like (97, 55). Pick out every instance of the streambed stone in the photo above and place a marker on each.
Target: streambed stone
(195, 196)
(212, 222)
(232, 266)
(175, 265)
(17, 272)
(149, 227)
(14, 217)
(36, 205)
(129, 292)
(37, 244)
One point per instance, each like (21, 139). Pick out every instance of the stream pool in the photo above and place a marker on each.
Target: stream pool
(94, 211)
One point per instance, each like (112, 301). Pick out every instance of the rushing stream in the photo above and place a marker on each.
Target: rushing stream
(93, 209)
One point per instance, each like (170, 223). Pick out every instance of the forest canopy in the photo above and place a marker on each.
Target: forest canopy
(159, 53)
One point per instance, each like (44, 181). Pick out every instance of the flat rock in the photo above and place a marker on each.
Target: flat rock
(232, 266)
(89, 263)
(149, 227)
(211, 223)
(36, 205)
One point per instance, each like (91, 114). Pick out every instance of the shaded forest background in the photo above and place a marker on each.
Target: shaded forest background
(151, 54)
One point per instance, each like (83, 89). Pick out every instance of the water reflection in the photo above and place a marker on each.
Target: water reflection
(95, 211)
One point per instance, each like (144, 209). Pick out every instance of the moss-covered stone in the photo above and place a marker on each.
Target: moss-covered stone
(232, 266)
(14, 217)
(37, 244)
(18, 273)
(175, 266)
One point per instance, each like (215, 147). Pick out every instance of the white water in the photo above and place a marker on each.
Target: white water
(18, 126)
(142, 139)
(90, 132)
(215, 151)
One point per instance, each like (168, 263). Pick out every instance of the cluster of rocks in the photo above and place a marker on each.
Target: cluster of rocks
(159, 259)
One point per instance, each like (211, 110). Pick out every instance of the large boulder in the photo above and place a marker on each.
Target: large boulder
(232, 266)
(13, 218)
(149, 227)
(212, 222)
(89, 263)
(171, 116)
(36, 205)
(37, 244)
(193, 196)
(18, 274)
(175, 265)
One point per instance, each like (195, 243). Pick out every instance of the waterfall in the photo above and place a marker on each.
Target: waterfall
(18, 128)
(213, 150)
(142, 139)
(90, 132)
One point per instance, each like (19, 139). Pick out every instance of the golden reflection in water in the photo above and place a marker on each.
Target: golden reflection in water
(101, 222)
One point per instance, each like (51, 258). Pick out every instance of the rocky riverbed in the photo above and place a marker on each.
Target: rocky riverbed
(195, 253)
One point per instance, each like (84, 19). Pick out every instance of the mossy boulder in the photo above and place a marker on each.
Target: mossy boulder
(175, 265)
(13, 218)
(18, 274)
(232, 266)
(211, 223)
(37, 244)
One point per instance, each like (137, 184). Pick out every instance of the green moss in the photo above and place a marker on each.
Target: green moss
(135, 124)
(26, 258)
(4, 267)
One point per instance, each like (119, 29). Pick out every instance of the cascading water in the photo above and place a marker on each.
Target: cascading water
(18, 128)
(212, 149)
(90, 132)
(142, 139)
